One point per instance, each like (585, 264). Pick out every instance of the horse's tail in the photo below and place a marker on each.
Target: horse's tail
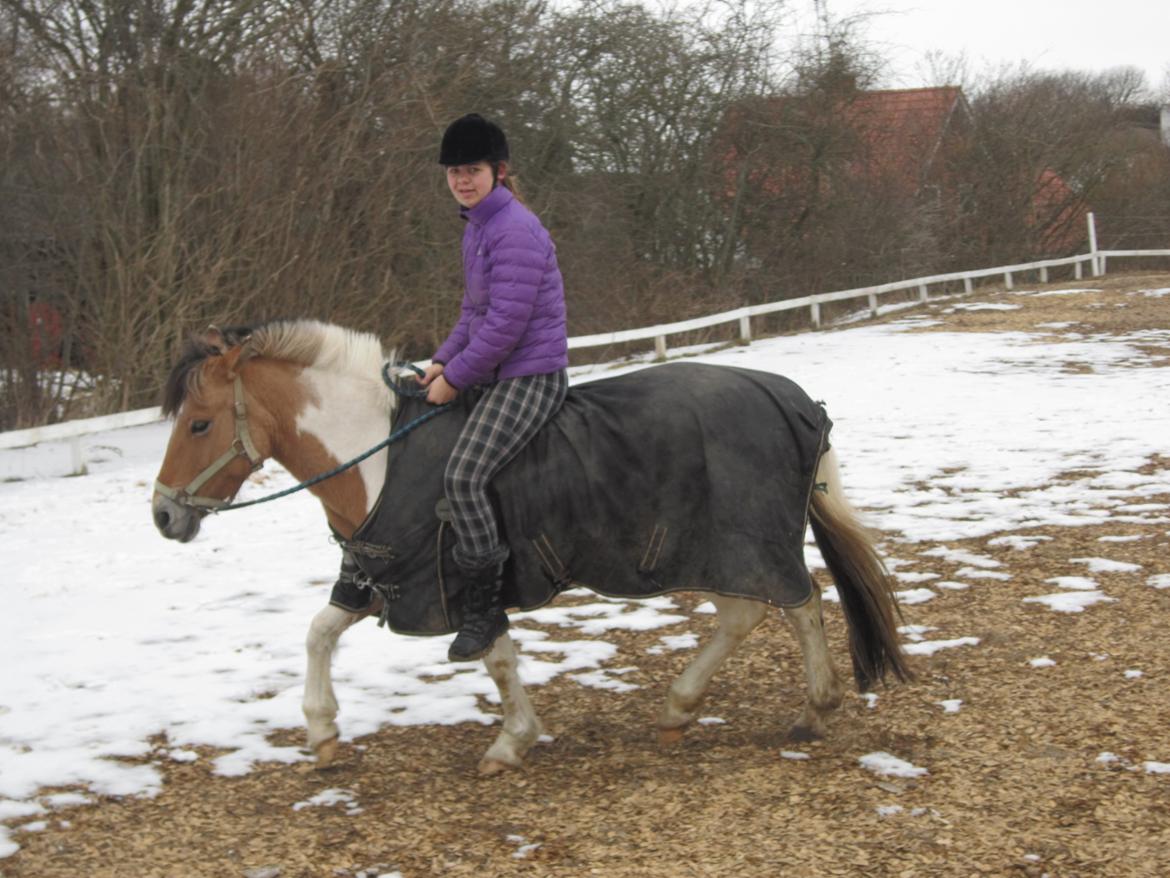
(863, 583)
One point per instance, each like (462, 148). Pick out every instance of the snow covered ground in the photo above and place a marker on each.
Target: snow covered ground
(115, 642)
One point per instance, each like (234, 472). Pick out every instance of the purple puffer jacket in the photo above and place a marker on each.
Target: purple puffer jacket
(513, 319)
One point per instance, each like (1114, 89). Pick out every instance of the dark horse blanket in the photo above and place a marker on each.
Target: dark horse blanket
(678, 477)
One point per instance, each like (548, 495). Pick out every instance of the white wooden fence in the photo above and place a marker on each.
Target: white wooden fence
(1097, 261)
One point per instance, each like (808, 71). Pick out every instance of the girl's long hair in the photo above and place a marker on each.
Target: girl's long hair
(508, 181)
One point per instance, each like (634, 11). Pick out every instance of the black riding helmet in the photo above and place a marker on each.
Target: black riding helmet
(470, 139)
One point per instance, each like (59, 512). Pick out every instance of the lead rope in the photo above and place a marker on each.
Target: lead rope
(395, 436)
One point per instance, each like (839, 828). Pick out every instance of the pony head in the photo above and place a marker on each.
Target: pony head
(214, 445)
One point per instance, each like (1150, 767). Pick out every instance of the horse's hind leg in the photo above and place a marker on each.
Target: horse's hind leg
(320, 704)
(825, 689)
(521, 725)
(737, 618)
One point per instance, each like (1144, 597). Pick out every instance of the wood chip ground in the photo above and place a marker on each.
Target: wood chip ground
(1015, 787)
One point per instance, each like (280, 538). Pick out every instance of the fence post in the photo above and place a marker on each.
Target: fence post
(76, 457)
(1077, 270)
(660, 346)
(816, 314)
(873, 309)
(745, 328)
(1093, 263)
(1043, 274)
(1007, 279)
(968, 287)
(922, 292)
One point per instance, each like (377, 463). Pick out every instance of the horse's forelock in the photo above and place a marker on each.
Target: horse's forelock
(184, 377)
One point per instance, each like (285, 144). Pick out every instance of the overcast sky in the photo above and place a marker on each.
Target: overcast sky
(1076, 34)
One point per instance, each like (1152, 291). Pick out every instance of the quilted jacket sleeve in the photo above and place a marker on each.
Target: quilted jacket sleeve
(515, 265)
(457, 340)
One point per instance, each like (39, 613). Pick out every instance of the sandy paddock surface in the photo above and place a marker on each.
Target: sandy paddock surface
(1017, 783)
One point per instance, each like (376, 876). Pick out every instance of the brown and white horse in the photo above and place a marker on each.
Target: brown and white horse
(310, 396)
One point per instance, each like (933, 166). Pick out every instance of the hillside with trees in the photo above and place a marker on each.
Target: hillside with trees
(166, 164)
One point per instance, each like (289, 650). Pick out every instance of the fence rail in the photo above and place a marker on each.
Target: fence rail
(1096, 259)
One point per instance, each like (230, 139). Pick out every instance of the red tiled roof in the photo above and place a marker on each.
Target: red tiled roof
(903, 129)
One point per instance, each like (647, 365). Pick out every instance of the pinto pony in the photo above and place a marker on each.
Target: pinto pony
(312, 396)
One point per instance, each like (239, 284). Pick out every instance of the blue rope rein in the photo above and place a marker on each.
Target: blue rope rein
(395, 436)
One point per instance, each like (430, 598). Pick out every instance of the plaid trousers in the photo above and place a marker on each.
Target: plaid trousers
(505, 419)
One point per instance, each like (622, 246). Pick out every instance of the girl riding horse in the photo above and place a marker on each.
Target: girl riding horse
(510, 342)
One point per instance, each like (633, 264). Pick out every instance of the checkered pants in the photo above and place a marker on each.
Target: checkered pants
(504, 420)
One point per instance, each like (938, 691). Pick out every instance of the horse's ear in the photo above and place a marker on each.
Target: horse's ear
(237, 355)
(213, 338)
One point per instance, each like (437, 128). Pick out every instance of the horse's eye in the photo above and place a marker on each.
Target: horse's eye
(198, 428)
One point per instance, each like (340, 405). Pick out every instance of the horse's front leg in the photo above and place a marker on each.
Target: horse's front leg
(825, 689)
(737, 618)
(521, 725)
(320, 704)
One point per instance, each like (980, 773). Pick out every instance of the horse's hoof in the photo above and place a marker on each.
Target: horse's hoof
(803, 734)
(326, 753)
(670, 737)
(490, 767)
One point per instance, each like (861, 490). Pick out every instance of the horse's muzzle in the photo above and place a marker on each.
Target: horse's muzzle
(175, 521)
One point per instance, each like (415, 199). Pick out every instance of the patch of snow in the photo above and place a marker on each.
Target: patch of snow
(914, 632)
(1159, 580)
(1105, 565)
(982, 306)
(961, 556)
(11, 810)
(1157, 767)
(1020, 543)
(795, 755)
(888, 765)
(1042, 662)
(1107, 758)
(915, 596)
(950, 705)
(1129, 538)
(1070, 602)
(952, 586)
(674, 642)
(524, 847)
(870, 699)
(910, 576)
(1073, 583)
(331, 798)
(930, 647)
(888, 810)
(1133, 674)
(979, 573)
(706, 607)
(711, 721)
(66, 800)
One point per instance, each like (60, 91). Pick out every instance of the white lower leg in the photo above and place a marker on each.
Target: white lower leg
(521, 726)
(825, 689)
(737, 618)
(320, 704)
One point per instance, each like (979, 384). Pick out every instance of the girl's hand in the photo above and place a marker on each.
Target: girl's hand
(430, 373)
(439, 392)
